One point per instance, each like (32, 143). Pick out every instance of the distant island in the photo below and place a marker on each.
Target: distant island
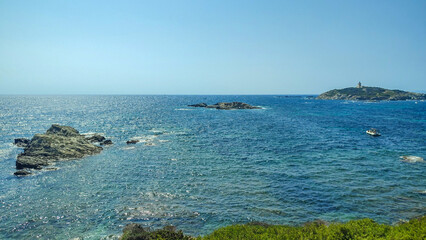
(371, 94)
(226, 105)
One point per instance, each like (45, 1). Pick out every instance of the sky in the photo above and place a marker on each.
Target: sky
(210, 47)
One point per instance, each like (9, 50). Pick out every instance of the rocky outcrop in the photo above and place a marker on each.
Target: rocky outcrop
(58, 143)
(21, 142)
(370, 94)
(226, 105)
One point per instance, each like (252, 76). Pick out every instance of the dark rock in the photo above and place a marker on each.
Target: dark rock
(107, 142)
(232, 105)
(22, 142)
(198, 105)
(59, 143)
(132, 141)
(22, 173)
(96, 138)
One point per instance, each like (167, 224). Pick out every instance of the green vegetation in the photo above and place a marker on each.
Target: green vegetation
(370, 93)
(357, 229)
(137, 232)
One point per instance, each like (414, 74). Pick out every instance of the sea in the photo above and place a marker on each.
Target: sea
(297, 159)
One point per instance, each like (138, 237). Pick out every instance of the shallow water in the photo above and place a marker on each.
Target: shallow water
(293, 161)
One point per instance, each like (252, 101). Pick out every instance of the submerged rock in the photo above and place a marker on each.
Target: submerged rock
(22, 142)
(411, 159)
(58, 143)
(96, 138)
(22, 173)
(132, 141)
(50, 169)
(107, 142)
(226, 105)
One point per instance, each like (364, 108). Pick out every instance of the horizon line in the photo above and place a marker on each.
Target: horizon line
(143, 94)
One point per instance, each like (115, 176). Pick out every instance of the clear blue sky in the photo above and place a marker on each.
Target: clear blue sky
(210, 47)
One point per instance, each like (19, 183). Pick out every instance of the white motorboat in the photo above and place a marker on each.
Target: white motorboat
(373, 132)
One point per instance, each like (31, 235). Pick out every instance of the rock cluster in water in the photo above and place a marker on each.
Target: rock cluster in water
(58, 143)
(226, 105)
(370, 94)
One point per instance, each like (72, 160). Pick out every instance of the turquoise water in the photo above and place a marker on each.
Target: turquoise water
(293, 161)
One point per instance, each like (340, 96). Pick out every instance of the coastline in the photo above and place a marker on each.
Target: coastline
(354, 229)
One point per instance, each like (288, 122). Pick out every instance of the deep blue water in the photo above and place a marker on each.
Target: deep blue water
(293, 161)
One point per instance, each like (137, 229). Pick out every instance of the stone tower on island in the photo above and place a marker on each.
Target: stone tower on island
(359, 85)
